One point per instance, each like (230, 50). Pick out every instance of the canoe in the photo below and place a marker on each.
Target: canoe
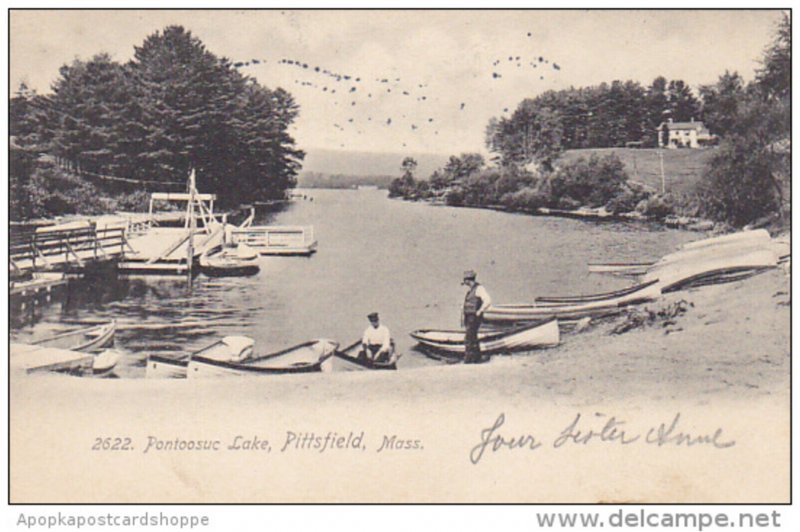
(348, 359)
(756, 236)
(671, 275)
(704, 253)
(86, 340)
(564, 300)
(573, 309)
(230, 348)
(308, 357)
(532, 336)
(725, 275)
(222, 261)
(619, 268)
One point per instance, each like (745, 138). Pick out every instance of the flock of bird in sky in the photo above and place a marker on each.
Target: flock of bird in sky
(358, 91)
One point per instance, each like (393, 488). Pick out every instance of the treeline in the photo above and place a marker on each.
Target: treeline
(746, 180)
(109, 132)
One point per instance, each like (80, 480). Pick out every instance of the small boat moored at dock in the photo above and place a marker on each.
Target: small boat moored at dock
(216, 361)
(532, 336)
(349, 359)
(224, 260)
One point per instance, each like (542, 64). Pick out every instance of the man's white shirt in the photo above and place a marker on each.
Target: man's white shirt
(379, 335)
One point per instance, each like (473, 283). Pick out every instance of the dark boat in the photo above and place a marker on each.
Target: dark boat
(348, 359)
(536, 335)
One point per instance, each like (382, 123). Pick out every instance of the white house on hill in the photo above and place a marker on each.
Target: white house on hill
(683, 134)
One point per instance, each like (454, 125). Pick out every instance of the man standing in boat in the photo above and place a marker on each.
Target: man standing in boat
(476, 302)
(376, 343)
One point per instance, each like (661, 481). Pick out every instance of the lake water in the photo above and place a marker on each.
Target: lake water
(401, 259)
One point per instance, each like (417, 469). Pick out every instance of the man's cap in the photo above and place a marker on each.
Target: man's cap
(372, 316)
(469, 274)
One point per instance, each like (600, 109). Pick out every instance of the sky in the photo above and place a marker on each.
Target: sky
(446, 72)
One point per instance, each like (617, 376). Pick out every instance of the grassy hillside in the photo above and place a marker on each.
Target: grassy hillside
(682, 168)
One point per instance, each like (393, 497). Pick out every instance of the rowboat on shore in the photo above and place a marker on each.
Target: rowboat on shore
(349, 359)
(741, 237)
(673, 276)
(571, 300)
(222, 261)
(531, 336)
(230, 348)
(33, 359)
(85, 339)
(620, 268)
(574, 309)
(308, 357)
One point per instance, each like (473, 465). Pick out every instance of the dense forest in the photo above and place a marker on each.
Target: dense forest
(110, 132)
(746, 180)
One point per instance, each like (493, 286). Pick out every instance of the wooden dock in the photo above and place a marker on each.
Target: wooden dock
(39, 284)
(165, 250)
(278, 239)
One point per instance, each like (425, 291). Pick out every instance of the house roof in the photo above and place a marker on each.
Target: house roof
(699, 126)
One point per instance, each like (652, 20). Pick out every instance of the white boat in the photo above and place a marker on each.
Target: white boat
(308, 357)
(86, 339)
(230, 348)
(573, 309)
(672, 276)
(105, 362)
(755, 236)
(222, 260)
(537, 335)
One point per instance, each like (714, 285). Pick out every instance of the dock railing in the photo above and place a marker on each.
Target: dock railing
(52, 249)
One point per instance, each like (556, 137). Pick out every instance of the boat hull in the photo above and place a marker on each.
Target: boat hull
(648, 291)
(87, 340)
(310, 357)
(539, 335)
(160, 367)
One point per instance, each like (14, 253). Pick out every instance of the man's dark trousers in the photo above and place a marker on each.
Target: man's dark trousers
(472, 354)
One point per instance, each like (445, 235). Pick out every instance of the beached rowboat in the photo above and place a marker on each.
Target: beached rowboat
(230, 348)
(348, 359)
(571, 300)
(229, 261)
(573, 309)
(532, 336)
(85, 340)
(308, 357)
(676, 274)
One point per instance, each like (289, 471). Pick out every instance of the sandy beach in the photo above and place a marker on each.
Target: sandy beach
(723, 364)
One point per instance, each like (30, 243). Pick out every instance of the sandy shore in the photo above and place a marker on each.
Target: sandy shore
(724, 364)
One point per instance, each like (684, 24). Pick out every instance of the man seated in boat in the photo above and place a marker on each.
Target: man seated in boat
(376, 344)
